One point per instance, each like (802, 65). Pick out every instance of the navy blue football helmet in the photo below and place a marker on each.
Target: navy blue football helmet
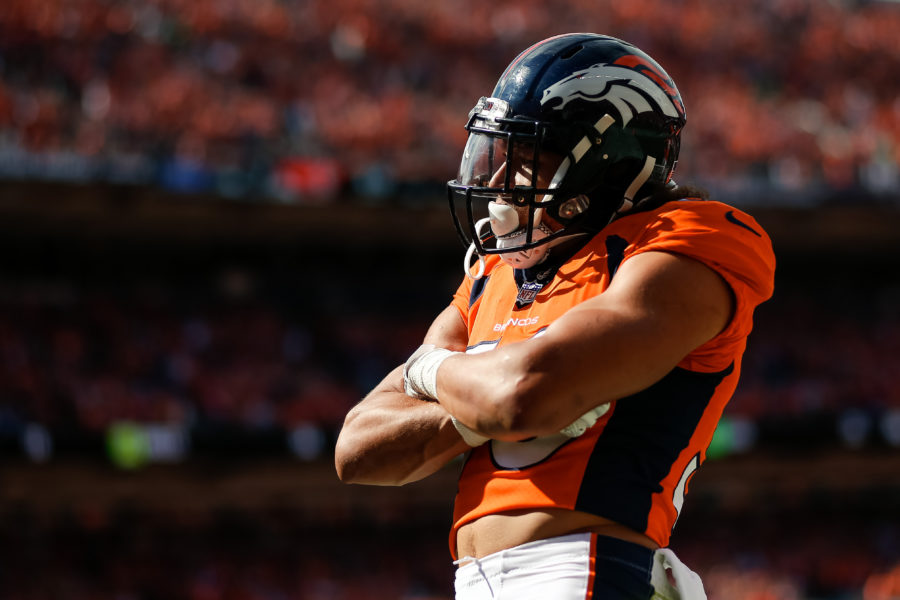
(578, 127)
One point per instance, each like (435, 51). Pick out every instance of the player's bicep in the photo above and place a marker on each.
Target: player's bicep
(391, 438)
(658, 309)
(448, 330)
(685, 300)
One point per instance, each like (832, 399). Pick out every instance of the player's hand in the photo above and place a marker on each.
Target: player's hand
(585, 421)
(420, 382)
(472, 438)
(420, 371)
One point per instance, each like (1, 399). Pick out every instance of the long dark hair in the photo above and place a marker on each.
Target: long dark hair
(669, 194)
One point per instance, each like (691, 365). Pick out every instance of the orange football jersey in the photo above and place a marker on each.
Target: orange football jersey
(633, 465)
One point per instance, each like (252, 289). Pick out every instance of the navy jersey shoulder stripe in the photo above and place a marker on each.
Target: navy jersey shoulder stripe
(615, 253)
(477, 289)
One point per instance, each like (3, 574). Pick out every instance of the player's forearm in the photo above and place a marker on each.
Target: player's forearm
(497, 394)
(538, 386)
(393, 439)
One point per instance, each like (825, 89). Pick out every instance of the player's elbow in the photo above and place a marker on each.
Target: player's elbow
(349, 455)
(357, 460)
(353, 467)
(346, 462)
(344, 469)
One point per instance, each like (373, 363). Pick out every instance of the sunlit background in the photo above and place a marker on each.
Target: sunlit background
(223, 221)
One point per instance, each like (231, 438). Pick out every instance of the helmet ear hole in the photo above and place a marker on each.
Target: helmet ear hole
(569, 210)
(573, 207)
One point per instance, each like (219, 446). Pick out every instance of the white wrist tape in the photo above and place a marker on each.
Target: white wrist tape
(585, 421)
(470, 437)
(420, 371)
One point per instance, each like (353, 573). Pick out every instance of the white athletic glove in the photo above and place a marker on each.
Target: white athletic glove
(687, 584)
(420, 371)
(472, 438)
(585, 421)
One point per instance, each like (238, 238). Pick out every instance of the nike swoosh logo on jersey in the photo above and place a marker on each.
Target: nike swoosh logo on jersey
(729, 216)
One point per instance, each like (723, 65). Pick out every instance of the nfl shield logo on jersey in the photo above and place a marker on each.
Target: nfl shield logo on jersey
(528, 292)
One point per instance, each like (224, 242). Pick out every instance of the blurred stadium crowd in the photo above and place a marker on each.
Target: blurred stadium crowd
(233, 357)
(789, 101)
(130, 554)
(226, 364)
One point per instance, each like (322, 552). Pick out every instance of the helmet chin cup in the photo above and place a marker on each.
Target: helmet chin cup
(505, 218)
(505, 225)
(524, 259)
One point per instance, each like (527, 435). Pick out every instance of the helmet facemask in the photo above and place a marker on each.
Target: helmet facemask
(506, 198)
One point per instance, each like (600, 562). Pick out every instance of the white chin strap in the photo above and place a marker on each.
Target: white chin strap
(639, 180)
(467, 264)
(504, 222)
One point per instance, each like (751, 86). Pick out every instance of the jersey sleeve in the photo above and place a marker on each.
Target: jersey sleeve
(470, 290)
(461, 298)
(731, 243)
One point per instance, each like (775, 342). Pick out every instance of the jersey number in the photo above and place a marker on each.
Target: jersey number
(678, 495)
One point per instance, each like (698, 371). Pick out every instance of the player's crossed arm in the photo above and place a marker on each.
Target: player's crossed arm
(658, 309)
(390, 438)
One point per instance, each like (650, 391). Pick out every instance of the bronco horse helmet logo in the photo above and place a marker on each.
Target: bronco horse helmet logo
(632, 84)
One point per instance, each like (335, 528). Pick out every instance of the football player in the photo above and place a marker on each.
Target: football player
(586, 358)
